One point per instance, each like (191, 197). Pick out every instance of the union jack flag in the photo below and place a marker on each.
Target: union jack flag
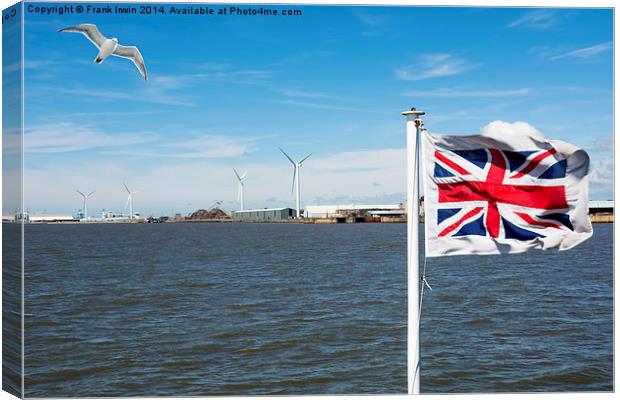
(487, 199)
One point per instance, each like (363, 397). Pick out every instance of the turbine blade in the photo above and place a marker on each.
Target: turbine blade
(289, 158)
(91, 193)
(126, 188)
(82, 194)
(237, 174)
(294, 174)
(244, 175)
(305, 158)
(127, 202)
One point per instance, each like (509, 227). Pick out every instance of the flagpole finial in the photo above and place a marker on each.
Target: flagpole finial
(413, 112)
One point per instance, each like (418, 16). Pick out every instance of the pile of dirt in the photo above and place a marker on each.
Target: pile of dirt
(214, 213)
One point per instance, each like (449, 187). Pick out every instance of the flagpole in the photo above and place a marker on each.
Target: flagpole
(414, 124)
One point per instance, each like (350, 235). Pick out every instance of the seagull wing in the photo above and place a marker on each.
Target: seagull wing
(90, 31)
(132, 53)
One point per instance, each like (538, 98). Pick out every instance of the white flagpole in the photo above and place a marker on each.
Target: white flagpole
(413, 265)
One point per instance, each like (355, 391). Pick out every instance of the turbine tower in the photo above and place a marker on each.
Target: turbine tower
(296, 184)
(85, 208)
(241, 179)
(129, 200)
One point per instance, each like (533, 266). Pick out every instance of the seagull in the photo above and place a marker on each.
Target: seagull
(109, 47)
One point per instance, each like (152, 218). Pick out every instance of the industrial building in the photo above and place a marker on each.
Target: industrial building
(347, 210)
(265, 214)
(601, 206)
(48, 218)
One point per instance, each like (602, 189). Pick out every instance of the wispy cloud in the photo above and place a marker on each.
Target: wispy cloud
(602, 173)
(447, 92)
(68, 137)
(373, 24)
(313, 95)
(214, 146)
(301, 58)
(251, 76)
(368, 19)
(360, 161)
(433, 66)
(29, 64)
(200, 146)
(576, 89)
(314, 105)
(320, 106)
(586, 52)
(152, 94)
(164, 89)
(537, 19)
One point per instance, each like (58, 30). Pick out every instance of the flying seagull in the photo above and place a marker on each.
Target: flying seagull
(109, 46)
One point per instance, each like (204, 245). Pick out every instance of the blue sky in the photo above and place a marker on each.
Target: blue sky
(226, 91)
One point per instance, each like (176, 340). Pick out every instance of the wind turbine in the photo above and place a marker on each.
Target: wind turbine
(85, 196)
(129, 200)
(296, 184)
(241, 179)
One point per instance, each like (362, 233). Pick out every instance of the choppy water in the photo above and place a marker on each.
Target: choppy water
(206, 309)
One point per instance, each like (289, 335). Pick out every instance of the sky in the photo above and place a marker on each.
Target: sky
(226, 91)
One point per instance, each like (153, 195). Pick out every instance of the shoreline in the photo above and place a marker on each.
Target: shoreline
(595, 219)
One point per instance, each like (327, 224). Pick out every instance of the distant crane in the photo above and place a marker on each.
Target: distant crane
(85, 196)
(241, 179)
(129, 200)
(296, 178)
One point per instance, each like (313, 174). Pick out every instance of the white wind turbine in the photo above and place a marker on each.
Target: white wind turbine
(241, 179)
(296, 184)
(129, 200)
(85, 208)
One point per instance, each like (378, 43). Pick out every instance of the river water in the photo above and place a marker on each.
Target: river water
(235, 308)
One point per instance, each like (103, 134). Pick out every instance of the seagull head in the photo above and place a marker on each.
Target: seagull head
(115, 40)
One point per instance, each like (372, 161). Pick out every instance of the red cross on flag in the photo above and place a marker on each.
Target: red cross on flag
(508, 190)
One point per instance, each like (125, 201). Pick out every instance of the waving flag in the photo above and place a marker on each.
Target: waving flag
(506, 191)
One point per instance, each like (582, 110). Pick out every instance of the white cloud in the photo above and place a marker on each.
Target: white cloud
(313, 95)
(152, 94)
(368, 19)
(447, 92)
(214, 146)
(70, 137)
(433, 66)
(602, 173)
(67, 137)
(538, 19)
(29, 64)
(168, 89)
(314, 105)
(363, 160)
(503, 129)
(373, 24)
(586, 52)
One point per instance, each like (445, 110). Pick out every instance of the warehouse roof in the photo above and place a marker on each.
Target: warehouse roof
(601, 204)
(264, 209)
